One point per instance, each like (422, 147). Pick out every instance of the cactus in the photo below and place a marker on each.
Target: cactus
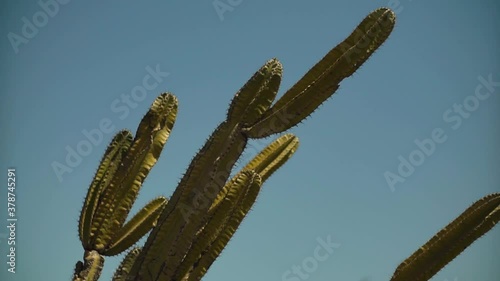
(123, 168)
(123, 270)
(189, 231)
(250, 115)
(448, 243)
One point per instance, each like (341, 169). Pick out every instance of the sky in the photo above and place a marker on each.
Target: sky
(424, 97)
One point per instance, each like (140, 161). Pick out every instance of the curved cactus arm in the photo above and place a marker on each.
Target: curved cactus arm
(265, 163)
(257, 95)
(322, 80)
(235, 189)
(136, 227)
(112, 198)
(107, 168)
(118, 198)
(448, 243)
(123, 270)
(243, 206)
(273, 156)
(187, 208)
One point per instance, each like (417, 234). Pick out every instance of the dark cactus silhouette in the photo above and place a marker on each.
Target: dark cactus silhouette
(192, 227)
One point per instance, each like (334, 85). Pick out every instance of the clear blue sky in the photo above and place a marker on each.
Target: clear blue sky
(66, 77)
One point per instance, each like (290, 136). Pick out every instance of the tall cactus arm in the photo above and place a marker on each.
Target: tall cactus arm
(448, 243)
(119, 197)
(322, 80)
(208, 172)
(202, 183)
(265, 163)
(110, 197)
(186, 210)
(107, 168)
(236, 188)
(136, 227)
(257, 95)
(206, 175)
(234, 220)
(273, 156)
(123, 270)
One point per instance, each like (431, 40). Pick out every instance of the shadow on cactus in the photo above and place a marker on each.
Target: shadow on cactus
(190, 229)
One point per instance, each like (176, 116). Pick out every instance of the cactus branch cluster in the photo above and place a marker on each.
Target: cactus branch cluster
(123, 168)
(189, 231)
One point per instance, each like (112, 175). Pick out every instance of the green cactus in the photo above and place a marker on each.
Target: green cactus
(448, 243)
(123, 168)
(189, 231)
(231, 206)
(250, 115)
(123, 270)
